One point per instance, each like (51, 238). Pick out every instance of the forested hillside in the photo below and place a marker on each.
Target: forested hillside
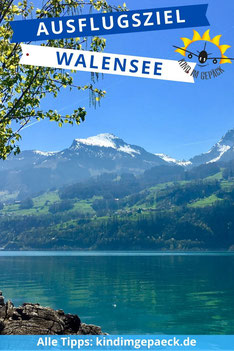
(166, 208)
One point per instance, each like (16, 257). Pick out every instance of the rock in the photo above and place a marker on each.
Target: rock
(2, 312)
(9, 309)
(1, 300)
(72, 323)
(33, 319)
(1, 326)
(60, 312)
(90, 329)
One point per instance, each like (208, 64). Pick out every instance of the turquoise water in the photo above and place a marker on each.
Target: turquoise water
(130, 292)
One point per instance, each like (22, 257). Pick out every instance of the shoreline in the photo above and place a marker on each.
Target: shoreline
(34, 319)
(76, 252)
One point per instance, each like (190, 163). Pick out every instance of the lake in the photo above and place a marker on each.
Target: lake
(128, 292)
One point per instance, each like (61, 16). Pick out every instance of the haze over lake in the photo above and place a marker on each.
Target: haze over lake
(128, 292)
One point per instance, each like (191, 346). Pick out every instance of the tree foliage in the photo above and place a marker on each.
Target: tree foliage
(124, 213)
(210, 228)
(26, 204)
(24, 87)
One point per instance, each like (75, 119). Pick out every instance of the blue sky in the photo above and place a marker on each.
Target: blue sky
(178, 119)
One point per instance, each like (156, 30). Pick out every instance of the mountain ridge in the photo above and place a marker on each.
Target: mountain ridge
(223, 150)
(35, 170)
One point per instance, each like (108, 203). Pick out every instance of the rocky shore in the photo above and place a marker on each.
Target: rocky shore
(33, 319)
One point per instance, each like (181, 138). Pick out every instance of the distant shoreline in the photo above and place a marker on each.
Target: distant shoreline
(111, 253)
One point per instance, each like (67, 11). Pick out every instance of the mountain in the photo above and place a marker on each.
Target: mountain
(108, 153)
(223, 151)
(25, 159)
(34, 171)
(173, 161)
(166, 205)
(127, 213)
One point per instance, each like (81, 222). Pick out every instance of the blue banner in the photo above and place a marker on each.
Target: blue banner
(117, 342)
(110, 23)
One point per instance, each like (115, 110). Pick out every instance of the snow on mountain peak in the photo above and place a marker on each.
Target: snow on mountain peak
(173, 160)
(166, 158)
(101, 140)
(109, 141)
(45, 153)
(128, 150)
(221, 149)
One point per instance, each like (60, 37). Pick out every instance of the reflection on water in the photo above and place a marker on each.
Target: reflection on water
(137, 294)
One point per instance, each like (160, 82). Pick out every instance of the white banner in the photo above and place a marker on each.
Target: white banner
(88, 61)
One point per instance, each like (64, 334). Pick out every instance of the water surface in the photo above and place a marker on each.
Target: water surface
(128, 292)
